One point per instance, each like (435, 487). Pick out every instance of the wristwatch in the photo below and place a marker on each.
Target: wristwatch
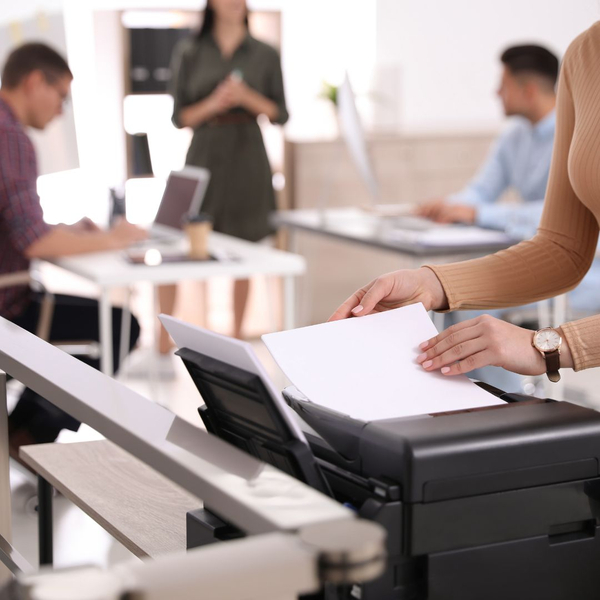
(547, 342)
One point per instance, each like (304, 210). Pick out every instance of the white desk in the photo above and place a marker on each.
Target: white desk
(110, 270)
(361, 227)
(354, 226)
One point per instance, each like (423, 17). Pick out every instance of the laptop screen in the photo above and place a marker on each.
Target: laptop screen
(177, 199)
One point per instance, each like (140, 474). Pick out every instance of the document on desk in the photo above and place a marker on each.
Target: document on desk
(450, 236)
(365, 367)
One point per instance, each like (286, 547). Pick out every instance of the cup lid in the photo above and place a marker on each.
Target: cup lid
(197, 218)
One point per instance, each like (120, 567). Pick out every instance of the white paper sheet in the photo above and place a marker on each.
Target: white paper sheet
(366, 367)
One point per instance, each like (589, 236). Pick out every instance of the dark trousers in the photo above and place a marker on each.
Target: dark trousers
(74, 319)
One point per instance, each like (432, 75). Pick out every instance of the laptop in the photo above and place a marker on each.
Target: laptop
(183, 194)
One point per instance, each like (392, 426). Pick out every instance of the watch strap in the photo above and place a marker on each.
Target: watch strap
(552, 365)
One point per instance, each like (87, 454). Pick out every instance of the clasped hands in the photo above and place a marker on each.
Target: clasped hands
(473, 344)
(231, 92)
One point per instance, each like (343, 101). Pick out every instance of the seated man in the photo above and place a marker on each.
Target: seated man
(35, 83)
(519, 160)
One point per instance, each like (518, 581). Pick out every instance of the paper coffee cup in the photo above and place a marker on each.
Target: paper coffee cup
(198, 230)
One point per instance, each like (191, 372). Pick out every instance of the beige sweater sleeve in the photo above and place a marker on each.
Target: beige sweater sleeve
(561, 253)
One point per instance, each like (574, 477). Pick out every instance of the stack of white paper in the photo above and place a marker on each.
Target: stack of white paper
(366, 367)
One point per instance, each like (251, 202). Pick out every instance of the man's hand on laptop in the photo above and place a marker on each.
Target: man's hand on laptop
(123, 233)
(430, 208)
(457, 213)
(84, 224)
(440, 211)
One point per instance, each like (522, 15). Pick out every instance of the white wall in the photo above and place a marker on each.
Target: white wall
(320, 40)
(414, 64)
(13, 12)
(42, 21)
(446, 52)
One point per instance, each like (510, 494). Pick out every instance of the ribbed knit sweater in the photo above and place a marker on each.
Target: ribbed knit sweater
(558, 257)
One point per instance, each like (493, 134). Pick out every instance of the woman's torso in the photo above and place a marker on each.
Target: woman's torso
(582, 73)
(205, 67)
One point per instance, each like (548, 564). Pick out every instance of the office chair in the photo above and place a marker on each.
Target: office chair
(89, 348)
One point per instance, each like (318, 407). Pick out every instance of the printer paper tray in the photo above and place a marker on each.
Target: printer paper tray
(494, 518)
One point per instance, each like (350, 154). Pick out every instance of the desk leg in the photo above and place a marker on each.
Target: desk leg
(438, 320)
(125, 328)
(543, 313)
(292, 241)
(106, 341)
(559, 310)
(45, 524)
(5, 500)
(153, 363)
(289, 302)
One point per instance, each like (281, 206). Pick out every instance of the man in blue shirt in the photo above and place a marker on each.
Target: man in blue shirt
(520, 161)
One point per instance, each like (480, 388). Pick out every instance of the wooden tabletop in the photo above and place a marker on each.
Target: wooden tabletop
(141, 508)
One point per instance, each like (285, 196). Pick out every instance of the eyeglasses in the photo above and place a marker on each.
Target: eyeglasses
(54, 82)
(65, 98)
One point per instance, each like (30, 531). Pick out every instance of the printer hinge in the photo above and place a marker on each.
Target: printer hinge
(388, 490)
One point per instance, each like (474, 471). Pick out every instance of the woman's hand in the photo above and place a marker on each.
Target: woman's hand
(221, 100)
(231, 92)
(393, 290)
(481, 342)
(236, 91)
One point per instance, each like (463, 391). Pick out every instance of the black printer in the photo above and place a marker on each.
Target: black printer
(485, 504)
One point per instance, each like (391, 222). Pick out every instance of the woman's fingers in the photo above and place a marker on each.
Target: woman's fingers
(474, 344)
(364, 300)
(378, 290)
(474, 361)
(462, 347)
(449, 335)
(345, 310)
(462, 351)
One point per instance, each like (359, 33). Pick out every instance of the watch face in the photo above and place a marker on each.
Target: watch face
(547, 340)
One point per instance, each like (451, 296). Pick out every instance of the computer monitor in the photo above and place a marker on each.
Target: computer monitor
(354, 136)
(183, 194)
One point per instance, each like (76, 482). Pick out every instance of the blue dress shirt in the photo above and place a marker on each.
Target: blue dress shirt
(520, 159)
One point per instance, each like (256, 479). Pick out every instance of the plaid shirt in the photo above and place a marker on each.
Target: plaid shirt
(21, 217)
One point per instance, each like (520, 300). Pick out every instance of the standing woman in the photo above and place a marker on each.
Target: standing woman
(223, 78)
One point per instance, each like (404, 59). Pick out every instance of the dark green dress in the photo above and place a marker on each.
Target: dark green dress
(240, 196)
